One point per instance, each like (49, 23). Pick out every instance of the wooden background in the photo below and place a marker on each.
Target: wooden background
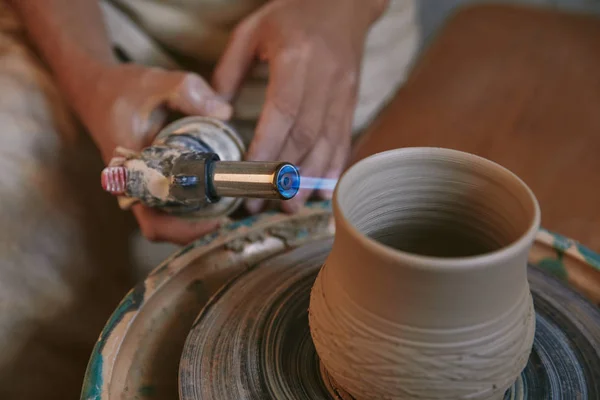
(520, 86)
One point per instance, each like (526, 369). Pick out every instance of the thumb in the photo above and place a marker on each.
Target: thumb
(192, 96)
(237, 58)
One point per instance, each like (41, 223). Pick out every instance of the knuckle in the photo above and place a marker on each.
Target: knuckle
(333, 69)
(303, 38)
(303, 136)
(349, 78)
(295, 53)
(286, 110)
(324, 48)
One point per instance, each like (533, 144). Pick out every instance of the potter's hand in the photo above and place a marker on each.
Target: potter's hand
(313, 49)
(128, 106)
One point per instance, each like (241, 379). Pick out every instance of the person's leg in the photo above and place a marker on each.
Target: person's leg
(63, 242)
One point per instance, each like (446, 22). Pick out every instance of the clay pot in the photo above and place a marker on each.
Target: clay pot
(425, 294)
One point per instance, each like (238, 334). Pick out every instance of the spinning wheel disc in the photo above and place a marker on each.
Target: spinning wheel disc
(252, 340)
(138, 355)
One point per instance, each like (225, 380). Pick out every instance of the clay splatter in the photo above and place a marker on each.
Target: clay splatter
(92, 386)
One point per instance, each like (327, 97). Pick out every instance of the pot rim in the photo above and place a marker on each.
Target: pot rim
(480, 261)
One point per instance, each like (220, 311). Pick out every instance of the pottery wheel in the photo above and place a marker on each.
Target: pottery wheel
(252, 340)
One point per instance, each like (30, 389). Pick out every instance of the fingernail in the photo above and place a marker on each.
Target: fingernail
(218, 109)
(196, 92)
(210, 103)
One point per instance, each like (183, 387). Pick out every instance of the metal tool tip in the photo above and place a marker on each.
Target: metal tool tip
(288, 181)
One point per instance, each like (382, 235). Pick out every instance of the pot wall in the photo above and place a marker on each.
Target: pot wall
(425, 293)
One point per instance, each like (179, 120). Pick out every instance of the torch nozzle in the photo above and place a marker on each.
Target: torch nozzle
(202, 178)
(254, 179)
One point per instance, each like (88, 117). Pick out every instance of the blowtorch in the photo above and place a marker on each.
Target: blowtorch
(194, 168)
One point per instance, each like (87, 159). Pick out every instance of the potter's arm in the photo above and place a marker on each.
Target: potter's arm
(72, 38)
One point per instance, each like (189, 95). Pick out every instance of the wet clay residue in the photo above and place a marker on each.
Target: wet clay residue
(291, 232)
(144, 181)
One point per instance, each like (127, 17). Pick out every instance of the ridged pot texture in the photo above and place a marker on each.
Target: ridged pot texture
(425, 294)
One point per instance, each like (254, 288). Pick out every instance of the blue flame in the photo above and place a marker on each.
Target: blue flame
(308, 182)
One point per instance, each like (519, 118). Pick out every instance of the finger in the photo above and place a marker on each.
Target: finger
(192, 96)
(309, 123)
(338, 127)
(159, 227)
(335, 169)
(314, 165)
(239, 55)
(285, 92)
(143, 127)
(284, 96)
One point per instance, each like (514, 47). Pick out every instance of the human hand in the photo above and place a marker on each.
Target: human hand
(127, 107)
(314, 50)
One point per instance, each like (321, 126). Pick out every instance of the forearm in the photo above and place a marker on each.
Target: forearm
(72, 38)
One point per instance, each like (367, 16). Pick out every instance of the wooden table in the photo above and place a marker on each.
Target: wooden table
(519, 86)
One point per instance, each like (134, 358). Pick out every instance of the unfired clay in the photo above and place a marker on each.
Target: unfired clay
(425, 294)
